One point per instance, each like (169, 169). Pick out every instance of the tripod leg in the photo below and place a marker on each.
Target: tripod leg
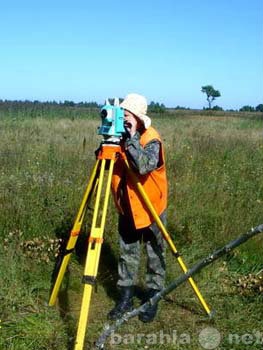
(93, 254)
(74, 234)
(166, 235)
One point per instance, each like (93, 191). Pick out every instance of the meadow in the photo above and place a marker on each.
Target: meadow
(214, 163)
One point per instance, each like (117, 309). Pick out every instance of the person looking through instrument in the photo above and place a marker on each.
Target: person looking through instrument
(143, 147)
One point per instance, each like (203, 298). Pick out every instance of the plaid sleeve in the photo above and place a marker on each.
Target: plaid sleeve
(143, 159)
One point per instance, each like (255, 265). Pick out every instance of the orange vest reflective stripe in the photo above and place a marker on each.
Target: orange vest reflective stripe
(154, 184)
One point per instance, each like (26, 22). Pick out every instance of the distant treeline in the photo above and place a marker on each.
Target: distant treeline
(19, 103)
(69, 108)
(50, 109)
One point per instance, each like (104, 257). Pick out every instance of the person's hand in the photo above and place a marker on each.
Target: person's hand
(130, 123)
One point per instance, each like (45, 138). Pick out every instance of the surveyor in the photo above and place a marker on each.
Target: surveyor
(144, 150)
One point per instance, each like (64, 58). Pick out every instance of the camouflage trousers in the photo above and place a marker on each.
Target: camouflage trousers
(131, 241)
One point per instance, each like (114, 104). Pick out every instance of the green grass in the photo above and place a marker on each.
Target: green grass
(214, 166)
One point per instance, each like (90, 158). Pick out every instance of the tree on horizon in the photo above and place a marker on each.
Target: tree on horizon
(211, 94)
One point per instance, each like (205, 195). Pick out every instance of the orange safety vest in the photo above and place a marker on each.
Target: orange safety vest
(154, 184)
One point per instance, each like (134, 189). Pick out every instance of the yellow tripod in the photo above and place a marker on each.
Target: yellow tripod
(107, 155)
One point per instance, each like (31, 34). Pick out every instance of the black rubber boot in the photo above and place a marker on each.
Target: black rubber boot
(150, 313)
(125, 303)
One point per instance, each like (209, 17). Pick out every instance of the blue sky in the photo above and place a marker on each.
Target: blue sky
(166, 50)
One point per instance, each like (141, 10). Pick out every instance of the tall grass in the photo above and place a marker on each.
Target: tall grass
(214, 165)
(215, 176)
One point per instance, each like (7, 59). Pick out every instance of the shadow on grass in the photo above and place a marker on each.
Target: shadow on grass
(63, 303)
(108, 269)
(64, 311)
(107, 274)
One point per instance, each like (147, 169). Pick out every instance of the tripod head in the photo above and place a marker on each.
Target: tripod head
(112, 118)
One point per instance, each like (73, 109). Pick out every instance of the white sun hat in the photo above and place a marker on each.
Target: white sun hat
(137, 104)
